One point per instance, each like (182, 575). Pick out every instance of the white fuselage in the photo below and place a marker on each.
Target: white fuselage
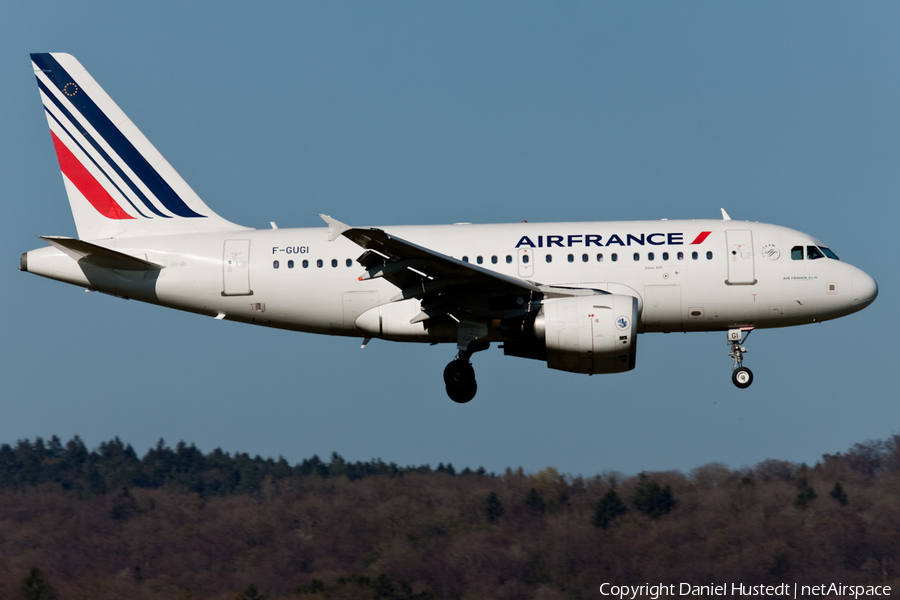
(700, 275)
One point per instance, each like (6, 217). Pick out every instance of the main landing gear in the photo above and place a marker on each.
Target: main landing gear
(742, 377)
(459, 376)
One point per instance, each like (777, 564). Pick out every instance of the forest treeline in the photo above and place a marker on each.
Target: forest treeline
(178, 523)
(115, 464)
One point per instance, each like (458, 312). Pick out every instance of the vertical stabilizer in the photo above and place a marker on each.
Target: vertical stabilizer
(118, 184)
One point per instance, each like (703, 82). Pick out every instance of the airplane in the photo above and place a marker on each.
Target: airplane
(574, 295)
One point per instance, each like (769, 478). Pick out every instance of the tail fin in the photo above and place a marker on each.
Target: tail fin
(118, 184)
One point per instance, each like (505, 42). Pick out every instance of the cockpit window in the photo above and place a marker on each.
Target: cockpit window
(813, 253)
(828, 253)
(797, 253)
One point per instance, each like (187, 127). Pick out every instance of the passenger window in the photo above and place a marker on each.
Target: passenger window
(290, 264)
(694, 256)
(599, 258)
(275, 264)
(349, 263)
(571, 258)
(509, 259)
(525, 259)
(637, 256)
(479, 259)
(649, 256)
(465, 259)
(681, 256)
(305, 264)
(709, 256)
(549, 258)
(584, 258)
(614, 257)
(333, 262)
(797, 253)
(319, 263)
(493, 260)
(812, 253)
(665, 256)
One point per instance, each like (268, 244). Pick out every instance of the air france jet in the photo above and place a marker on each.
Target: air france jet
(573, 295)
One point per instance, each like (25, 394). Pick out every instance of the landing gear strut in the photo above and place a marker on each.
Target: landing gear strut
(742, 377)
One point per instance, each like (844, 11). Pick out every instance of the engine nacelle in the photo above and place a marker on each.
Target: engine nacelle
(589, 334)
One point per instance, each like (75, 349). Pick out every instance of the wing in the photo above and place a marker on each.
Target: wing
(443, 284)
(478, 299)
(446, 287)
(408, 265)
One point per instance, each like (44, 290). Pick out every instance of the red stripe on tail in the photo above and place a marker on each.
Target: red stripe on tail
(86, 184)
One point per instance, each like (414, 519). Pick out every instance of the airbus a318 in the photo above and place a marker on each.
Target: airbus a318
(572, 295)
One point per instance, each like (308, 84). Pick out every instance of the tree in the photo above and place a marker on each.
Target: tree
(535, 501)
(651, 499)
(250, 593)
(36, 587)
(124, 506)
(838, 493)
(608, 508)
(493, 508)
(805, 494)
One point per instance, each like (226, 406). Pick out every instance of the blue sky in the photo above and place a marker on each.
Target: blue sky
(418, 113)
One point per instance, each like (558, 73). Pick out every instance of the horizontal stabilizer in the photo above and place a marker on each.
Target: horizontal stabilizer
(99, 256)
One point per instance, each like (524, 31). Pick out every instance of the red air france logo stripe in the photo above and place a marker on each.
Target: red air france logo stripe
(89, 187)
(700, 238)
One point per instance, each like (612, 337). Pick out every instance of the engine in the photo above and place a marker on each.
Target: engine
(582, 334)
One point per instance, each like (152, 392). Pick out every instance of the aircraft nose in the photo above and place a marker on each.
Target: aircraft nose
(865, 290)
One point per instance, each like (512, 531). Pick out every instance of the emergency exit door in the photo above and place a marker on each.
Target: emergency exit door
(526, 262)
(236, 268)
(740, 257)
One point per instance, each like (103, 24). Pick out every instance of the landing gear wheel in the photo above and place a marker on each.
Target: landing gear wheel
(458, 371)
(462, 393)
(459, 376)
(742, 377)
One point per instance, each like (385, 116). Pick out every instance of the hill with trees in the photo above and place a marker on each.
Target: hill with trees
(178, 523)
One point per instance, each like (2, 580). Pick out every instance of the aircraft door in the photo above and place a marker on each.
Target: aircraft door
(740, 257)
(526, 262)
(236, 268)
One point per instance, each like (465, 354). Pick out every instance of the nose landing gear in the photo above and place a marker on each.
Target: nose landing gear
(742, 377)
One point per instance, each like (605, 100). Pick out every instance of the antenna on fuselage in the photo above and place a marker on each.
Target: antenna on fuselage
(725, 216)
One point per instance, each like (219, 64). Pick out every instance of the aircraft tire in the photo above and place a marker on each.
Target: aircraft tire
(458, 371)
(462, 393)
(459, 377)
(742, 377)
